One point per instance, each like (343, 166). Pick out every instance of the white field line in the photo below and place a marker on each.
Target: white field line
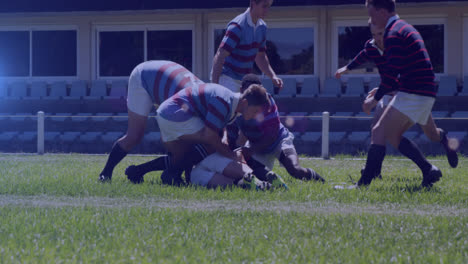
(326, 207)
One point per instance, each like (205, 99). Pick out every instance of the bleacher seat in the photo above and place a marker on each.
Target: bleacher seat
(21, 117)
(118, 89)
(268, 84)
(38, 90)
(51, 136)
(310, 87)
(111, 136)
(374, 82)
(343, 115)
(359, 136)
(336, 137)
(355, 87)
(464, 92)
(311, 136)
(101, 117)
(18, 90)
(58, 90)
(289, 88)
(315, 116)
(8, 136)
(69, 136)
(3, 89)
(447, 86)
(81, 117)
(439, 114)
(332, 88)
(412, 135)
(152, 137)
(60, 117)
(77, 90)
(27, 136)
(90, 136)
(120, 117)
(97, 90)
(460, 114)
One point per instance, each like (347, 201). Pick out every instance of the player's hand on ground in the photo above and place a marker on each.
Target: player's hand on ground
(340, 72)
(372, 92)
(277, 82)
(369, 104)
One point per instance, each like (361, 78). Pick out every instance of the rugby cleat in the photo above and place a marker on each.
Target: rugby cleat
(133, 175)
(249, 181)
(276, 181)
(313, 175)
(431, 177)
(103, 178)
(451, 153)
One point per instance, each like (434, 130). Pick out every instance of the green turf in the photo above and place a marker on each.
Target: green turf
(52, 210)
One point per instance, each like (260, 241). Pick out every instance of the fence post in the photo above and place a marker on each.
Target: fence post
(40, 132)
(325, 135)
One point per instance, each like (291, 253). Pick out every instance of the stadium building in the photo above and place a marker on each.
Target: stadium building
(70, 51)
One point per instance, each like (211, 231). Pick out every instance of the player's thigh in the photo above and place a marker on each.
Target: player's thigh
(393, 124)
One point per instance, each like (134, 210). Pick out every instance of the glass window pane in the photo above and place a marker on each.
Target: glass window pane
(54, 53)
(433, 36)
(173, 45)
(290, 50)
(120, 52)
(351, 41)
(14, 53)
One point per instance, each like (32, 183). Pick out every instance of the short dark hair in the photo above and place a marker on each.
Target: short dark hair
(389, 5)
(248, 80)
(257, 1)
(256, 95)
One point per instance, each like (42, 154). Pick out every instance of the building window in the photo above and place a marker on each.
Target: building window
(434, 38)
(351, 40)
(290, 48)
(122, 48)
(350, 37)
(120, 52)
(173, 45)
(14, 53)
(54, 53)
(38, 52)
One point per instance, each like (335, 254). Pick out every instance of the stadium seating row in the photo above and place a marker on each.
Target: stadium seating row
(354, 86)
(76, 90)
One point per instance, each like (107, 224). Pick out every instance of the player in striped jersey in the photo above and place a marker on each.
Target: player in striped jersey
(409, 68)
(150, 83)
(373, 51)
(199, 114)
(269, 140)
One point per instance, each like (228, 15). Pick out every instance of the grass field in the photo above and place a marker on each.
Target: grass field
(52, 210)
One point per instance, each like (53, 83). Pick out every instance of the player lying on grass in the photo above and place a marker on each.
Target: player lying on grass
(373, 51)
(150, 83)
(269, 140)
(198, 115)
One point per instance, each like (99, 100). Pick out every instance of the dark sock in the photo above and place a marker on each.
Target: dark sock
(411, 151)
(259, 170)
(375, 157)
(115, 156)
(158, 164)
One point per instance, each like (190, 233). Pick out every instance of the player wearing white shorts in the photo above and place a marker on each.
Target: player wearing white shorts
(409, 69)
(199, 114)
(150, 83)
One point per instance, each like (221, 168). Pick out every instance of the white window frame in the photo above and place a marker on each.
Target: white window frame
(436, 20)
(150, 26)
(214, 25)
(465, 45)
(32, 28)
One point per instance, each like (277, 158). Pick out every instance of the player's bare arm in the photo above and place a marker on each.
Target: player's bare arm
(218, 62)
(264, 64)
